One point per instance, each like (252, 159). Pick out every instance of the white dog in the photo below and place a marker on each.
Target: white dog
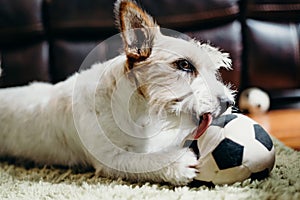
(126, 117)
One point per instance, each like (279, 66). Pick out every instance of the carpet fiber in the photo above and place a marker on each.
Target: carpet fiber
(17, 182)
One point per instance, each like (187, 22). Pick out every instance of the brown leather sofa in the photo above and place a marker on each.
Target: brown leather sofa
(47, 40)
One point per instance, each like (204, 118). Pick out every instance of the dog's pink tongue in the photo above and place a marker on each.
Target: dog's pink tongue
(204, 124)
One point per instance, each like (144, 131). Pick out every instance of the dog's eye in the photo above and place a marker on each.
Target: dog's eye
(185, 65)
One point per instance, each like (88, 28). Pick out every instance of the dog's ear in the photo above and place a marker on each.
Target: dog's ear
(137, 28)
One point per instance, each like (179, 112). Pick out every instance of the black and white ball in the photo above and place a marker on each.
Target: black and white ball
(254, 100)
(233, 149)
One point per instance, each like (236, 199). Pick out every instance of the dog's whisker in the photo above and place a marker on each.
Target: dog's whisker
(183, 97)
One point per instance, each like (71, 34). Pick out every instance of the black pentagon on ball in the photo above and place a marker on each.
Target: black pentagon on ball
(223, 120)
(192, 144)
(198, 183)
(263, 137)
(260, 175)
(228, 154)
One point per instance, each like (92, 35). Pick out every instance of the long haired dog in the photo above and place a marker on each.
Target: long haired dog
(126, 117)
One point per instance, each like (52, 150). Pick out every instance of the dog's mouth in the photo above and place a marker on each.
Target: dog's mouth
(204, 122)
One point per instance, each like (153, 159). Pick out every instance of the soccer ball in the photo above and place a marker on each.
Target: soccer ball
(233, 149)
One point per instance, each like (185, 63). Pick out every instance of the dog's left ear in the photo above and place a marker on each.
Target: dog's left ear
(137, 28)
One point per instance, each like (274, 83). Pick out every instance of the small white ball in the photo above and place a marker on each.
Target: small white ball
(254, 100)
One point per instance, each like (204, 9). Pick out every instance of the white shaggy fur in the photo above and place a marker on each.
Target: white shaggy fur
(126, 117)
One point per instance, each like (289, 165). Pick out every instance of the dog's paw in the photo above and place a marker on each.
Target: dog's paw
(183, 169)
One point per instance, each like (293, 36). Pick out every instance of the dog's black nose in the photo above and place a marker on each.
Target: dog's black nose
(225, 103)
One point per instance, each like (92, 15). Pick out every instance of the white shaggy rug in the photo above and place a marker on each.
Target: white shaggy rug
(17, 182)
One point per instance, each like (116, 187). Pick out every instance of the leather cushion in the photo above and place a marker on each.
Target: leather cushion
(275, 10)
(25, 63)
(273, 57)
(20, 20)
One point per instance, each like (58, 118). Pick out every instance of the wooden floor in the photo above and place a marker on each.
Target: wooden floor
(283, 124)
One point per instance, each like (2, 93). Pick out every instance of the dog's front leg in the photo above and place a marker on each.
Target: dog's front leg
(175, 166)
